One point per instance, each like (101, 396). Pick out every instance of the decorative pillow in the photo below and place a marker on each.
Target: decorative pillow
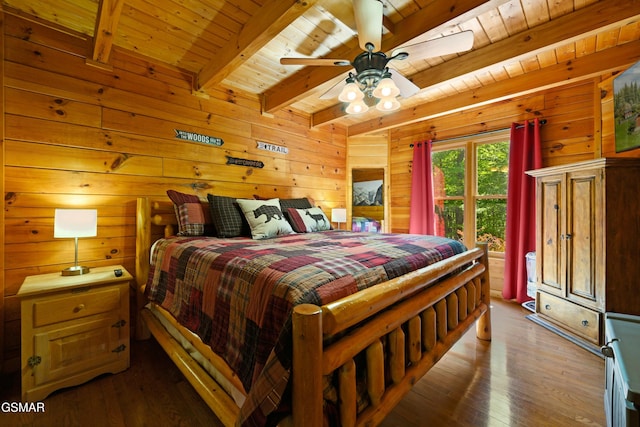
(191, 216)
(227, 217)
(301, 203)
(264, 217)
(308, 220)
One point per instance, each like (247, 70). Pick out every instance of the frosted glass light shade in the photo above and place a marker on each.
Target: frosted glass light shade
(386, 88)
(388, 104)
(351, 92)
(75, 223)
(357, 107)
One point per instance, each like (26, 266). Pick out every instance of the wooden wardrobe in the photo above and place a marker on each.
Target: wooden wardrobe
(587, 245)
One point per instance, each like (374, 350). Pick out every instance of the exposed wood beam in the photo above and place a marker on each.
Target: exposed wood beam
(585, 22)
(586, 67)
(106, 24)
(433, 16)
(273, 17)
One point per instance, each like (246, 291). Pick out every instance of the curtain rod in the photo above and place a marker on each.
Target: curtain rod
(489, 132)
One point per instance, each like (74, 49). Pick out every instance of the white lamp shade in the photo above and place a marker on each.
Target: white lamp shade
(351, 92)
(75, 223)
(338, 215)
(388, 104)
(357, 107)
(386, 88)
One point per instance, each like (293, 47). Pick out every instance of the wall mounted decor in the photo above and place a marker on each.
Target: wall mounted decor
(198, 137)
(244, 162)
(626, 109)
(272, 147)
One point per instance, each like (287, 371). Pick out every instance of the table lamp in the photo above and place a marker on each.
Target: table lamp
(75, 223)
(338, 215)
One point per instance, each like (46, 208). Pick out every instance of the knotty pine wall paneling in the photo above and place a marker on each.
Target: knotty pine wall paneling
(579, 127)
(79, 136)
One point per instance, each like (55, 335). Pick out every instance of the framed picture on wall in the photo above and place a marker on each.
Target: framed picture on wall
(626, 109)
(367, 193)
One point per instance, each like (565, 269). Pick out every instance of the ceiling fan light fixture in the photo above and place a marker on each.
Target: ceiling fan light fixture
(389, 103)
(357, 107)
(386, 88)
(351, 92)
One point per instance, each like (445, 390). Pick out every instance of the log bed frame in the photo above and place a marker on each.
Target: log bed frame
(420, 316)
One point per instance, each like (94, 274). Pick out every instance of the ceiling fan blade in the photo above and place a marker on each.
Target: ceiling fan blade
(406, 86)
(454, 43)
(314, 61)
(368, 14)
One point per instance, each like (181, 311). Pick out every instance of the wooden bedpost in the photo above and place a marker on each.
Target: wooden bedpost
(143, 242)
(307, 366)
(483, 325)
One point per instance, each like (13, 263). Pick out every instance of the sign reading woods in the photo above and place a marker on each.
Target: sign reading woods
(244, 162)
(272, 147)
(198, 137)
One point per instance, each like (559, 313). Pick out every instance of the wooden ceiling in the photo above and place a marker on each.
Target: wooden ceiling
(519, 46)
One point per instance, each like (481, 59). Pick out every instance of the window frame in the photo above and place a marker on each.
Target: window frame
(470, 195)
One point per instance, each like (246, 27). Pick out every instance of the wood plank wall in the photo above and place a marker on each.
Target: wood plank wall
(78, 136)
(573, 132)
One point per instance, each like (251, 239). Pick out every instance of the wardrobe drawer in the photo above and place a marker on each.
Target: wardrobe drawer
(577, 319)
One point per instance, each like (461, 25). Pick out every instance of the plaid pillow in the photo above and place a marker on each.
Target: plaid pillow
(308, 220)
(301, 203)
(189, 212)
(227, 217)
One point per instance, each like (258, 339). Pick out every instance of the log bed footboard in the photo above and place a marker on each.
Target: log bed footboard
(402, 327)
(419, 324)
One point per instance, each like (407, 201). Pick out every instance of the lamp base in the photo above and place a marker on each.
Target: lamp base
(76, 270)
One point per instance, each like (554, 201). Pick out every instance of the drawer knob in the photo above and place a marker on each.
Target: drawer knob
(547, 307)
(78, 308)
(585, 323)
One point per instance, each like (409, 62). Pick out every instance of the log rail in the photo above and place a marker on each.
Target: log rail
(404, 326)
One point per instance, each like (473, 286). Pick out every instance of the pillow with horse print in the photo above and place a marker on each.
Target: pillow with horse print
(265, 218)
(308, 220)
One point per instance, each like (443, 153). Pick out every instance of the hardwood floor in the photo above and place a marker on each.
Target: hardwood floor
(527, 376)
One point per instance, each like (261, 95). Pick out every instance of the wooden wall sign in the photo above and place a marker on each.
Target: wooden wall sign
(244, 162)
(198, 137)
(272, 147)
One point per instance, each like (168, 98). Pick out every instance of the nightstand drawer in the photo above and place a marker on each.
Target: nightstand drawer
(579, 320)
(80, 303)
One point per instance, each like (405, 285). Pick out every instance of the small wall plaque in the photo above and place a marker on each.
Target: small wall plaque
(198, 137)
(272, 147)
(244, 162)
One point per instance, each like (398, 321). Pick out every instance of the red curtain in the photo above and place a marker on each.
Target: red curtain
(524, 155)
(422, 213)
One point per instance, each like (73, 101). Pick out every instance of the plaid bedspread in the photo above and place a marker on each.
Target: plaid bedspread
(237, 295)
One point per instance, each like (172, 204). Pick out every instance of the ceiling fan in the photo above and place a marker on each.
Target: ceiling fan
(373, 82)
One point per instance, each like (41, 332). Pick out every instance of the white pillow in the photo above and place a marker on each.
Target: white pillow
(265, 218)
(309, 220)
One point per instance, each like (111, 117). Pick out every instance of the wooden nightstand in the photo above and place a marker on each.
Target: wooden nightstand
(74, 328)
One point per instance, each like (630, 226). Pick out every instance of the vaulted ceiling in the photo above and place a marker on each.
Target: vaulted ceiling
(519, 46)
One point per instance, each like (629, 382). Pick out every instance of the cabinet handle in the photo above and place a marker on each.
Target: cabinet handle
(79, 308)
(606, 349)
(585, 323)
(547, 307)
(568, 236)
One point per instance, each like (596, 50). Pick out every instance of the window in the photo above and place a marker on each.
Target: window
(472, 173)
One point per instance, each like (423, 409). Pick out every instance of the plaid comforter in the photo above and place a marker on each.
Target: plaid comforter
(237, 295)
